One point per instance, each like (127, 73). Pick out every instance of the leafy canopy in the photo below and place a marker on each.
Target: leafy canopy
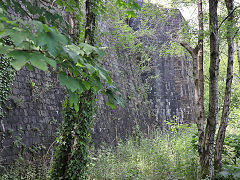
(36, 44)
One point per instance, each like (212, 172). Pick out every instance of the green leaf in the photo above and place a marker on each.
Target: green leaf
(105, 75)
(37, 60)
(90, 68)
(110, 104)
(30, 68)
(100, 52)
(5, 49)
(18, 37)
(70, 83)
(73, 100)
(75, 49)
(131, 14)
(53, 42)
(51, 62)
(88, 49)
(20, 58)
(2, 27)
(86, 84)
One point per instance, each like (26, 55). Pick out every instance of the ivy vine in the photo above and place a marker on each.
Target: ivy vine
(74, 137)
(7, 75)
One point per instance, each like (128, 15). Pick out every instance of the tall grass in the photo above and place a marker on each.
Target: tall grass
(162, 156)
(159, 156)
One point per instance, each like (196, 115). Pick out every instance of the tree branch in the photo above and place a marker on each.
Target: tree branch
(228, 16)
(192, 51)
(187, 47)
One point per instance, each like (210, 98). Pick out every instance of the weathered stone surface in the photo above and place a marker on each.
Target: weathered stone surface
(160, 92)
(166, 81)
(30, 119)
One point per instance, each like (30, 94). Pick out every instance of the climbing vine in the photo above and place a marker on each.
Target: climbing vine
(75, 139)
(7, 75)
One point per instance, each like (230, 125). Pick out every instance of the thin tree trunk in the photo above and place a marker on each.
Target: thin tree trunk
(197, 56)
(200, 104)
(90, 27)
(74, 153)
(85, 113)
(227, 98)
(238, 56)
(194, 54)
(208, 144)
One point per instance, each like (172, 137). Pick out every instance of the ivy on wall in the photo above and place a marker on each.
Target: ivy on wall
(7, 75)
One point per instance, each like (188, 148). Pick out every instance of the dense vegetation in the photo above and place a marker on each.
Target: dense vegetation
(172, 154)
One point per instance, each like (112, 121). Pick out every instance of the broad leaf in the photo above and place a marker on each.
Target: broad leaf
(108, 103)
(104, 74)
(70, 83)
(74, 100)
(37, 60)
(20, 58)
(88, 49)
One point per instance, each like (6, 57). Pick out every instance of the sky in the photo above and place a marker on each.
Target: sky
(189, 13)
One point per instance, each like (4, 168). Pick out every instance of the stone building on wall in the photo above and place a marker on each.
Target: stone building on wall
(162, 92)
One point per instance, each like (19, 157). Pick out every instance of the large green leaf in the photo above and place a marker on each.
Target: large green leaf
(105, 75)
(52, 41)
(77, 50)
(37, 60)
(20, 58)
(86, 84)
(70, 83)
(19, 36)
(90, 68)
(88, 49)
(51, 62)
(5, 49)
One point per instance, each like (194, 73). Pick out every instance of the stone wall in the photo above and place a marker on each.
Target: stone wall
(156, 87)
(163, 91)
(33, 113)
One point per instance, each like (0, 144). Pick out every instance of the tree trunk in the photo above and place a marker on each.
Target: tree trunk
(85, 113)
(90, 28)
(227, 98)
(238, 56)
(200, 103)
(194, 54)
(208, 144)
(197, 56)
(73, 156)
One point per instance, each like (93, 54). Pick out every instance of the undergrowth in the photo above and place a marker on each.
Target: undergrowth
(166, 156)
(159, 156)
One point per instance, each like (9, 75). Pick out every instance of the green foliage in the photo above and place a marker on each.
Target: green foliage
(28, 168)
(232, 149)
(229, 172)
(46, 46)
(131, 5)
(175, 127)
(156, 157)
(24, 171)
(6, 77)
(46, 14)
(36, 44)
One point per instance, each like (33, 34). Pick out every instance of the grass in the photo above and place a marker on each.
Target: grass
(163, 156)
(159, 156)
